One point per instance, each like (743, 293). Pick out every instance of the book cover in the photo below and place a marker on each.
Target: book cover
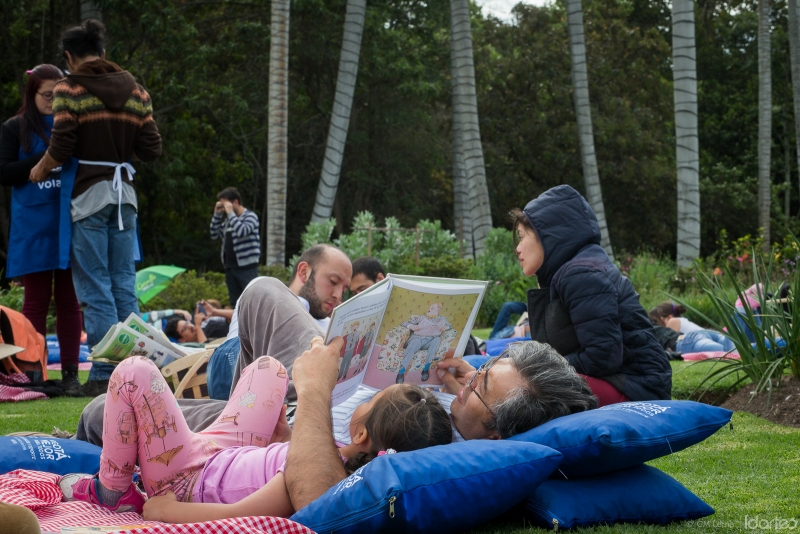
(399, 329)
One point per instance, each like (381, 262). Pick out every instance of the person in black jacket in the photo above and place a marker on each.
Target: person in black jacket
(585, 308)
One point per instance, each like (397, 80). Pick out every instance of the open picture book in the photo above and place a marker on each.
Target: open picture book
(134, 337)
(399, 329)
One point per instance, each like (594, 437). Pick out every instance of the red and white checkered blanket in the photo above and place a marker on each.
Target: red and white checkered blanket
(39, 492)
(9, 393)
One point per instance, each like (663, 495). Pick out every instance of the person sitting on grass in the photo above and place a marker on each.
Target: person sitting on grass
(585, 308)
(235, 468)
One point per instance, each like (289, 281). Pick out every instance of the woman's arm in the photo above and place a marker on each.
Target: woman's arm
(592, 302)
(218, 312)
(198, 321)
(270, 500)
(14, 171)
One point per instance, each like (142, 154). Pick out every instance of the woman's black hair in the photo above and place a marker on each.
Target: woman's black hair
(518, 218)
(31, 120)
(88, 39)
(404, 419)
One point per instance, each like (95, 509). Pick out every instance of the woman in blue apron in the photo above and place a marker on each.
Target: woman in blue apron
(33, 247)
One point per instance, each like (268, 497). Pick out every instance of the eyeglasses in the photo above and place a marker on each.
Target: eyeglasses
(483, 369)
(47, 95)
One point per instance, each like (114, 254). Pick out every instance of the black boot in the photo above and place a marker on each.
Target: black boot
(93, 388)
(69, 381)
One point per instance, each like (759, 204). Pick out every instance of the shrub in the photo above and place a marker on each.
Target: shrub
(188, 288)
(13, 297)
(394, 247)
(276, 271)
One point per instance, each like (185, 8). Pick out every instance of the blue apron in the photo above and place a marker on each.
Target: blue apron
(40, 232)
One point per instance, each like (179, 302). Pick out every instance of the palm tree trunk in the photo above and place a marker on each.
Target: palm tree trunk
(465, 107)
(342, 104)
(764, 120)
(461, 211)
(277, 134)
(583, 113)
(794, 58)
(687, 149)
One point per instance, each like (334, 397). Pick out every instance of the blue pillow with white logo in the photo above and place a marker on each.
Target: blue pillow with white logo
(626, 434)
(641, 494)
(53, 455)
(408, 492)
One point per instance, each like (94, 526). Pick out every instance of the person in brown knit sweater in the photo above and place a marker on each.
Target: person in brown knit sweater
(104, 119)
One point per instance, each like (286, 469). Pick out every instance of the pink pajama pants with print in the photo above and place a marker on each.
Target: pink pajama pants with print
(143, 423)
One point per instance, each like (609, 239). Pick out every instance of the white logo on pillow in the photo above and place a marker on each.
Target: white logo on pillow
(50, 450)
(350, 481)
(645, 409)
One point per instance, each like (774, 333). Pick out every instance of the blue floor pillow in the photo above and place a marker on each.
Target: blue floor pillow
(641, 494)
(53, 455)
(448, 488)
(54, 351)
(626, 434)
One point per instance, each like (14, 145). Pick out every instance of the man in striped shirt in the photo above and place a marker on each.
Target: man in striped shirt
(241, 249)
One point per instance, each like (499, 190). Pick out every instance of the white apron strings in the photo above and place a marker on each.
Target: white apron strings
(116, 184)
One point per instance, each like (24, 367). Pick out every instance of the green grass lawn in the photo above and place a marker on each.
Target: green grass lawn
(43, 415)
(753, 470)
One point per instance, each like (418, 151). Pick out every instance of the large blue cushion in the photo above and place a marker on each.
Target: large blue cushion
(54, 455)
(641, 494)
(626, 434)
(448, 488)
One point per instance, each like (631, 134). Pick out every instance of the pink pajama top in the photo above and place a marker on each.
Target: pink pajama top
(232, 474)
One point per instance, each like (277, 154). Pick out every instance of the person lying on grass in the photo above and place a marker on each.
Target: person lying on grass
(234, 468)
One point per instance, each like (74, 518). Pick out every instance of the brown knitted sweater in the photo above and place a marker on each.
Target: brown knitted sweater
(101, 114)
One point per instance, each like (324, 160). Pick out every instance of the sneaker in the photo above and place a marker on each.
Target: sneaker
(401, 376)
(83, 487)
(93, 388)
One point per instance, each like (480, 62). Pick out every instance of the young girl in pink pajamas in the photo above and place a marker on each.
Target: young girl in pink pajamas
(239, 458)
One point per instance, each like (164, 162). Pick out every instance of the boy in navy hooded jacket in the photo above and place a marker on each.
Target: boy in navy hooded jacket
(586, 309)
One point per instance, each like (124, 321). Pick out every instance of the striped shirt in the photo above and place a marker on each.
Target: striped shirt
(244, 229)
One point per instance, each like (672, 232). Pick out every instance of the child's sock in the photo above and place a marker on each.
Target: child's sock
(107, 496)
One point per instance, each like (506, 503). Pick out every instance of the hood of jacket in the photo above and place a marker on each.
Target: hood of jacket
(565, 223)
(107, 81)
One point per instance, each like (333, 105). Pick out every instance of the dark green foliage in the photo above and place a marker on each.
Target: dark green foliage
(444, 267)
(188, 289)
(206, 66)
(499, 266)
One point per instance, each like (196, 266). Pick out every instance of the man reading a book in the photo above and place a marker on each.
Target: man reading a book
(526, 386)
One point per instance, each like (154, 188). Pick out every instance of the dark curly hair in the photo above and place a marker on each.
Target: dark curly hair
(400, 420)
